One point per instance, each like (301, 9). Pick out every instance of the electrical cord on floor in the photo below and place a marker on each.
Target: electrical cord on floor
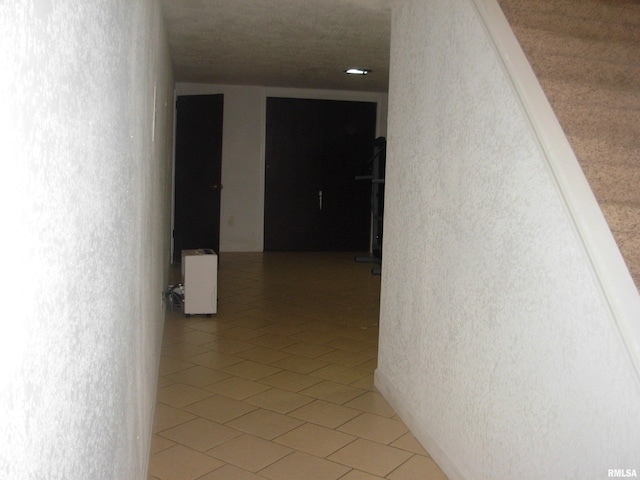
(174, 296)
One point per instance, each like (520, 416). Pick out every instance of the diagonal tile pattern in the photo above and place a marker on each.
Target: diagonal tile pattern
(279, 383)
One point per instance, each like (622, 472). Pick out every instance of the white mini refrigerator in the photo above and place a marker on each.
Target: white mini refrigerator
(200, 279)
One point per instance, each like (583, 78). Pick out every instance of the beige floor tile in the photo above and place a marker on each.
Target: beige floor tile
(325, 414)
(299, 364)
(374, 427)
(307, 349)
(182, 350)
(242, 297)
(286, 362)
(198, 376)
(263, 355)
(229, 311)
(179, 395)
(332, 392)
(285, 330)
(316, 336)
(169, 365)
(250, 370)
(346, 359)
(238, 388)
(348, 344)
(373, 349)
(291, 381)
(321, 325)
(298, 466)
(418, 467)
(372, 402)
(211, 326)
(164, 382)
(200, 434)
(371, 457)
(228, 345)
(278, 400)
(159, 443)
(251, 322)
(409, 443)
(219, 408)
(314, 439)
(359, 475)
(241, 333)
(368, 334)
(181, 463)
(226, 307)
(167, 416)
(230, 472)
(369, 365)
(269, 311)
(173, 335)
(265, 423)
(215, 360)
(340, 374)
(366, 383)
(274, 341)
(249, 452)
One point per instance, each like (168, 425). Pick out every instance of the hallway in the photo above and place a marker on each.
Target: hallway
(279, 383)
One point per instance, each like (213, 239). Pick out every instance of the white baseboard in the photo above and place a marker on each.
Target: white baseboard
(419, 430)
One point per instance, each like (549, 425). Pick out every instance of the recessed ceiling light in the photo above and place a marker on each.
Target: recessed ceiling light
(358, 71)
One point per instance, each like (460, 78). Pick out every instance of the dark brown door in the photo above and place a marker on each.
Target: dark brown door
(197, 173)
(314, 151)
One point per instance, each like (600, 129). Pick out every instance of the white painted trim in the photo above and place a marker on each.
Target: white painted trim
(608, 266)
(174, 117)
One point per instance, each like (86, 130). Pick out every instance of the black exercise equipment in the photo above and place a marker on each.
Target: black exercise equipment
(376, 167)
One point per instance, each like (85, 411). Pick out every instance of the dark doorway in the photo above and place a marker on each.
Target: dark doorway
(197, 173)
(314, 151)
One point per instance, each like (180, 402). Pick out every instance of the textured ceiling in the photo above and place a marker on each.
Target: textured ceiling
(280, 43)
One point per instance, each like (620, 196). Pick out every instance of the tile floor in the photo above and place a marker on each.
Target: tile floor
(279, 383)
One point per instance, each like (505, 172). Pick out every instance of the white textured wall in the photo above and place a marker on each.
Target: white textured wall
(242, 201)
(85, 195)
(496, 346)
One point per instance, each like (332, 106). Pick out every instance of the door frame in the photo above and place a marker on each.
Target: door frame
(176, 94)
(332, 142)
(304, 94)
